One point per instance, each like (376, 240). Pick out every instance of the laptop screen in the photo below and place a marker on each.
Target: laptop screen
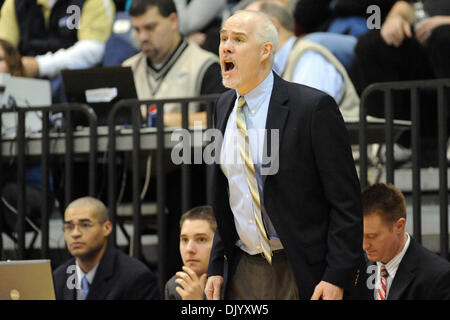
(23, 92)
(26, 280)
(100, 88)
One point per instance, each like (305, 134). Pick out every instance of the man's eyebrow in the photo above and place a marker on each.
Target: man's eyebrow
(195, 235)
(235, 33)
(81, 220)
(147, 25)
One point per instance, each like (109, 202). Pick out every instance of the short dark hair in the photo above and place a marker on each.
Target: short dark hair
(384, 199)
(200, 213)
(100, 210)
(139, 7)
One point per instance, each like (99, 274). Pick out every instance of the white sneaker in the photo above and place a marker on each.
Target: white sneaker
(401, 153)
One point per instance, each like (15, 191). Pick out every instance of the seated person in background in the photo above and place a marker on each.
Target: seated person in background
(98, 270)
(46, 34)
(169, 66)
(408, 47)
(197, 232)
(308, 63)
(337, 25)
(10, 62)
(337, 16)
(200, 21)
(404, 270)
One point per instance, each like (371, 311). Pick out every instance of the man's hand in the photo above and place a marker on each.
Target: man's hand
(191, 285)
(327, 291)
(426, 27)
(30, 66)
(213, 287)
(394, 30)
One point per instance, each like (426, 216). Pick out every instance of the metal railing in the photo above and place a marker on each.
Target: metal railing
(161, 163)
(414, 87)
(67, 109)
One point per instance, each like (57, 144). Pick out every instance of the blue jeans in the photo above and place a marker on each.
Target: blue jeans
(354, 26)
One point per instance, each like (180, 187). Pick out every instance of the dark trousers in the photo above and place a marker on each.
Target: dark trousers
(379, 62)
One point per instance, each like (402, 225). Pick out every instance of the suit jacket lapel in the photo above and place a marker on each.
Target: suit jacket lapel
(276, 120)
(404, 274)
(99, 287)
(69, 294)
(226, 111)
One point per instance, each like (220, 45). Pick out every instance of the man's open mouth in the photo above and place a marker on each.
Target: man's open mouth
(228, 65)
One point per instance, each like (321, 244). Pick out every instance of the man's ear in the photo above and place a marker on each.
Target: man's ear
(107, 228)
(266, 49)
(174, 20)
(399, 225)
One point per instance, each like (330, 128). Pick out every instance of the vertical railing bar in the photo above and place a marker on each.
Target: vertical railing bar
(443, 183)
(415, 144)
(21, 182)
(389, 115)
(45, 185)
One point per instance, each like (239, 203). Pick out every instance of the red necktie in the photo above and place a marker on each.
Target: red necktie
(383, 280)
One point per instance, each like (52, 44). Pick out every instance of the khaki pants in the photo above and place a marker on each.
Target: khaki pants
(256, 279)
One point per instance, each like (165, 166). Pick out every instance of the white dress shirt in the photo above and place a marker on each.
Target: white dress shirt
(391, 267)
(312, 70)
(232, 165)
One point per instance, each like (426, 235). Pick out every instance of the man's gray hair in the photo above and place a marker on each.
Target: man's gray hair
(267, 32)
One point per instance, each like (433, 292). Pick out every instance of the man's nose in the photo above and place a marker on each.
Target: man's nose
(142, 35)
(76, 232)
(226, 46)
(366, 245)
(191, 246)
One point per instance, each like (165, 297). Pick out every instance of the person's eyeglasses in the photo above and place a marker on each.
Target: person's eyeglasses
(83, 226)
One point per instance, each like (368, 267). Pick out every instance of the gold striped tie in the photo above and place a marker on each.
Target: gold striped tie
(249, 169)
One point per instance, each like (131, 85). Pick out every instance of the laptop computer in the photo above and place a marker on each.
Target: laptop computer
(22, 93)
(26, 280)
(100, 88)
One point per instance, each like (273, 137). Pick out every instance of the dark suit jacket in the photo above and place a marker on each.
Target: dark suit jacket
(421, 275)
(118, 277)
(313, 200)
(170, 293)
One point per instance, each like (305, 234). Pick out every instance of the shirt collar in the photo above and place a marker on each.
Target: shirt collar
(282, 55)
(392, 266)
(256, 96)
(90, 275)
